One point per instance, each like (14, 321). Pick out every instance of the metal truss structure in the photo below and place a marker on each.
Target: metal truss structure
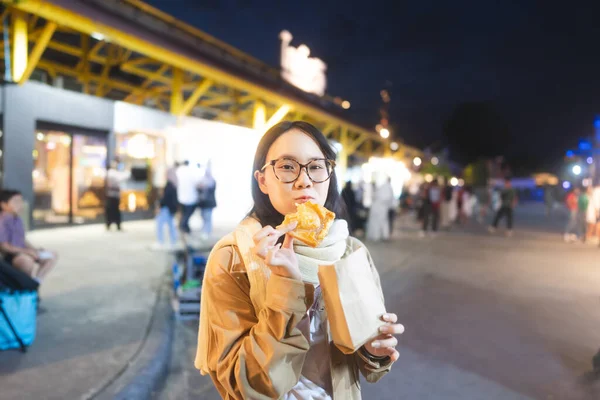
(127, 50)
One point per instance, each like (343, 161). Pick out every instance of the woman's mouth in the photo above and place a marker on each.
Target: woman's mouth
(303, 199)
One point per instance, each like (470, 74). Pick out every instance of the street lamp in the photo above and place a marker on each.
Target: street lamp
(435, 161)
(385, 133)
(345, 104)
(394, 146)
(576, 169)
(454, 181)
(417, 161)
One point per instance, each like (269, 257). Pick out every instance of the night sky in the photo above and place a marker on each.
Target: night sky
(537, 62)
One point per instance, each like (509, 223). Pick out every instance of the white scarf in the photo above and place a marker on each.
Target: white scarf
(331, 250)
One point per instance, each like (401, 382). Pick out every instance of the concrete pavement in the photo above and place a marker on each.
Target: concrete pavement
(487, 317)
(99, 303)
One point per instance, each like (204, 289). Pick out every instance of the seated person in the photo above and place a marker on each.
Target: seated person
(17, 251)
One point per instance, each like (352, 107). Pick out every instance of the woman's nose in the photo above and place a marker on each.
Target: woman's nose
(303, 180)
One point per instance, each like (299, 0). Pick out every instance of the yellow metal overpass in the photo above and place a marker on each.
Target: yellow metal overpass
(127, 50)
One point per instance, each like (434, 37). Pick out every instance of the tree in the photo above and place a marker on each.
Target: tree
(474, 130)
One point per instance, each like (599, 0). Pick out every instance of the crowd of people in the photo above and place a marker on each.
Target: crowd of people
(188, 188)
(437, 205)
(583, 205)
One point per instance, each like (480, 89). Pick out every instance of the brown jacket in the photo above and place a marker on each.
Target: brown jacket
(261, 356)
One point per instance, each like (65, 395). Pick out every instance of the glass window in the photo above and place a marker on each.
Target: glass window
(68, 178)
(143, 156)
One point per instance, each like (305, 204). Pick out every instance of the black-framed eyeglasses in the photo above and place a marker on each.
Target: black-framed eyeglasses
(288, 170)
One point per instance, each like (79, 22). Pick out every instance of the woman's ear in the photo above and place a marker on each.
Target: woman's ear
(260, 178)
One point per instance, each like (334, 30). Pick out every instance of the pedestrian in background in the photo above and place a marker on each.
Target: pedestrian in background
(378, 225)
(188, 178)
(349, 197)
(508, 201)
(207, 201)
(549, 199)
(446, 204)
(16, 250)
(166, 213)
(572, 203)
(432, 209)
(114, 179)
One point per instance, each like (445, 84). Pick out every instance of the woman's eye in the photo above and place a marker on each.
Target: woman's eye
(287, 166)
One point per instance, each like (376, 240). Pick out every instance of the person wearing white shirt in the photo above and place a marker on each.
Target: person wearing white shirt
(188, 179)
(114, 180)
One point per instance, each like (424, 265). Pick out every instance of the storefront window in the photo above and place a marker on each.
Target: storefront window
(68, 178)
(143, 156)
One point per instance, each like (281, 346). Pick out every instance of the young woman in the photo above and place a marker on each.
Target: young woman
(263, 326)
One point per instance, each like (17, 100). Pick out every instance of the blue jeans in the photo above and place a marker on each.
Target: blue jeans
(207, 221)
(186, 213)
(165, 217)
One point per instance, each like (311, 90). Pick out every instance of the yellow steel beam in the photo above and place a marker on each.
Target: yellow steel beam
(278, 115)
(195, 96)
(104, 77)
(329, 128)
(146, 84)
(97, 47)
(19, 45)
(4, 15)
(177, 92)
(80, 23)
(137, 62)
(245, 99)
(33, 22)
(144, 73)
(217, 100)
(343, 154)
(38, 50)
(69, 71)
(356, 143)
(84, 64)
(259, 116)
(186, 87)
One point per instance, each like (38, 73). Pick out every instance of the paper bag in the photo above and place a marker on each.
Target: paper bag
(353, 302)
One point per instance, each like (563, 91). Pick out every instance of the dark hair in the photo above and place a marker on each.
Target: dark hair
(263, 210)
(7, 194)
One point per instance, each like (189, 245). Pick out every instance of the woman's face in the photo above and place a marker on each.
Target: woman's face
(298, 146)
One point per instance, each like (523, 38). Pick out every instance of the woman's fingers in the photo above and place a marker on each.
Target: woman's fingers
(263, 233)
(265, 245)
(288, 242)
(271, 256)
(283, 229)
(390, 317)
(386, 341)
(392, 353)
(265, 239)
(395, 329)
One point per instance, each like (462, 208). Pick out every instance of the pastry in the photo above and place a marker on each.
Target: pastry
(313, 220)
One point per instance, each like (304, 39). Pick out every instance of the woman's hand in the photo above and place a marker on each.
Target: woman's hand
(281, 259)
(385, 344)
